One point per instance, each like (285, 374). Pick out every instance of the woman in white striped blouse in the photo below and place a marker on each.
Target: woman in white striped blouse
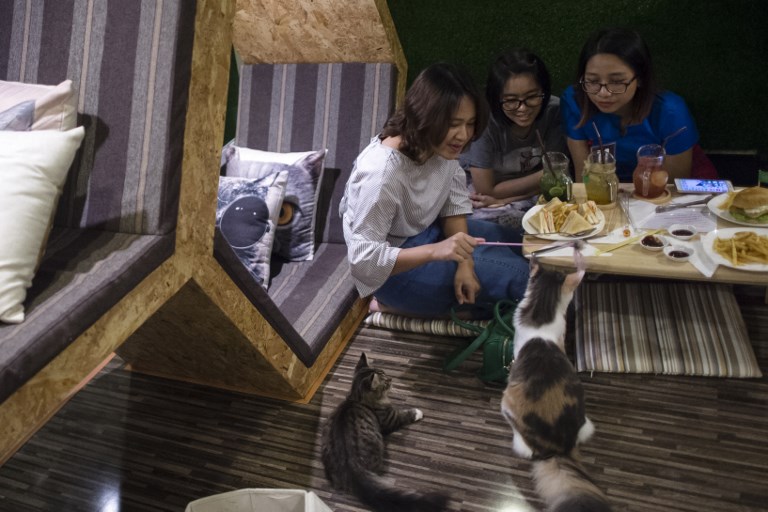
(406, 203)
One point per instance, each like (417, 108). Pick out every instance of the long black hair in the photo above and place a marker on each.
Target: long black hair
(627, 45)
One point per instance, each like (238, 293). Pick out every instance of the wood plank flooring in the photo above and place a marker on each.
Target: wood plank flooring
(131, 442)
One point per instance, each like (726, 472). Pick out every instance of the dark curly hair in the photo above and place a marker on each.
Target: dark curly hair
(424, 118)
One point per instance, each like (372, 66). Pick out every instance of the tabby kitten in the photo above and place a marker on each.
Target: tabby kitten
(353, 444)
(544, 398)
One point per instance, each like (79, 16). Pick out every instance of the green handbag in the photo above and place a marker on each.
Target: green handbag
(496, 340)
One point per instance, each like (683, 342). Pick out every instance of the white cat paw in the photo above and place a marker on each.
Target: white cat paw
(520, 447)
(586, 431)
(418, 415)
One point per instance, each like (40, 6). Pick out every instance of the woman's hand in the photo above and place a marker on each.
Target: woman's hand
(458, 247)
(483, 200)
(465, 284)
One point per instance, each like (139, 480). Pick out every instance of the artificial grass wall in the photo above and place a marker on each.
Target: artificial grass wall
(714, 53)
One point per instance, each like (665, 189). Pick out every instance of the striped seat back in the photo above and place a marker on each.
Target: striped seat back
(301, 107)
(130, 63)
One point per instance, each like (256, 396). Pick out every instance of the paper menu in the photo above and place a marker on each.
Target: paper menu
(645, 216)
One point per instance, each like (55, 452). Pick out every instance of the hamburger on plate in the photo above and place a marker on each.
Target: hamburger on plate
(750, 205)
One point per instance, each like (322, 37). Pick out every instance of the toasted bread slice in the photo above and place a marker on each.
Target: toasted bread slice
(588, 210)
(552, 204)
(542, 222)
(575, 223)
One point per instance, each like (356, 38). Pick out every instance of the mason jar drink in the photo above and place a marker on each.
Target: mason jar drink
(650, 178)
(556, 180)
(599, 177)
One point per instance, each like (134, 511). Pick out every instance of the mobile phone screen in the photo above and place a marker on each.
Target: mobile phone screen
(694, 186)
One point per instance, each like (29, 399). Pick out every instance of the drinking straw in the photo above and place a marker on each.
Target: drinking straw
(675, 134)
(544, 154)
(600, 158)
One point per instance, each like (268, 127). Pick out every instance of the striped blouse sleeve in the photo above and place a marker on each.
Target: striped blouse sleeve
(371, 256)
(458, 202)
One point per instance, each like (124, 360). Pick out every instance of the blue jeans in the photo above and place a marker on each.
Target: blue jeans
(428, 290)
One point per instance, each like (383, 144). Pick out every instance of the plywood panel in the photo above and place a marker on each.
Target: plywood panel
(278, 31)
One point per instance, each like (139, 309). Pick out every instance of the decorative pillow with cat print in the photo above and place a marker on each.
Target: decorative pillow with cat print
(295, 237)
(246, 215)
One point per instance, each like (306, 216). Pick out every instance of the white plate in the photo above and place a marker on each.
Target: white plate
(708, 242)
(725, 214)
(528, 227)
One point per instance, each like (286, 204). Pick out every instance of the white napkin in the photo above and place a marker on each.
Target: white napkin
(615, 236)
(699, 259)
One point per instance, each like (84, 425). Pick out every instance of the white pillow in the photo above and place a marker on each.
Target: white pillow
(33, 169)
(55, 105)
(256, 155)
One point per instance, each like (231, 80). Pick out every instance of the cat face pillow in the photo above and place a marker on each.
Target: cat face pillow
(246, 215)
(294, 237)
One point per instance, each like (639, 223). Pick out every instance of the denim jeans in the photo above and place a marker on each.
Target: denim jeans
(428, 290)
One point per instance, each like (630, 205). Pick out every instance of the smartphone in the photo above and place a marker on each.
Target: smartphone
(694, 186)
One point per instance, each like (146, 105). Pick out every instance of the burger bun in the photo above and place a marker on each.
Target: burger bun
(750, 204)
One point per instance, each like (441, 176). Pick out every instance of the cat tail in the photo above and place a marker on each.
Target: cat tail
(566, 487)
(375, 492)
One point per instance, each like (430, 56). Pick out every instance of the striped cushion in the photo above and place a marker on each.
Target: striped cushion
(307, 299)
(84, 273)
(666, 328)
(132, 74)
(437, 327)
(302, 107)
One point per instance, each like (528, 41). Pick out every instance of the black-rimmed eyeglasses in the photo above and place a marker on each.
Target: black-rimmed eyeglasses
(612, 87)
(511, 105)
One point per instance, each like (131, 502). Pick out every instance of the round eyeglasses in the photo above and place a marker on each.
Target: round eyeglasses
(511, 105)
(611, 87)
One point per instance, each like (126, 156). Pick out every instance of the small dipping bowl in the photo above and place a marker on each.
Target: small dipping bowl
(653, 242)
(682, 231)
(678, 253)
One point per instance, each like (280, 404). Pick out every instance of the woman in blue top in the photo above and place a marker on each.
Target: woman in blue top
(617, 92)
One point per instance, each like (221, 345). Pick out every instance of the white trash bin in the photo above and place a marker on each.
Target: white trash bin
(260, 500)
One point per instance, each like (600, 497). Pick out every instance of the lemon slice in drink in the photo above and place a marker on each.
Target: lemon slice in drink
(556, 191)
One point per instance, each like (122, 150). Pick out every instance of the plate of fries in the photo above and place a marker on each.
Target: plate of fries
(549, 220)
(739, 248)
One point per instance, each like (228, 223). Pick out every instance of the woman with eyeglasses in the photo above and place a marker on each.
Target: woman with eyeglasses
(505, 162)
(617, 93)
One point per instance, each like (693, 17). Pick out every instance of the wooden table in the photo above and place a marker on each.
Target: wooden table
(633, 260)
(630, 320)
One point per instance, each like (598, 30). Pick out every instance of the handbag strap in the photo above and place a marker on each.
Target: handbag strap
(499, 316)
(466, 325)
(459, 356)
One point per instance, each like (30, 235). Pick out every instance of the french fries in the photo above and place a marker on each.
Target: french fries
(745, 247)
(727, 201)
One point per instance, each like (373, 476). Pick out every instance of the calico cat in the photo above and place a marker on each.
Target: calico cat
(544, 398)
(353, 444)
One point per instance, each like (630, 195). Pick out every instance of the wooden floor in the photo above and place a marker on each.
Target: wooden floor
(131, 442)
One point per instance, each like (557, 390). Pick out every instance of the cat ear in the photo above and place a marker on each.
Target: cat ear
(363, 362)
